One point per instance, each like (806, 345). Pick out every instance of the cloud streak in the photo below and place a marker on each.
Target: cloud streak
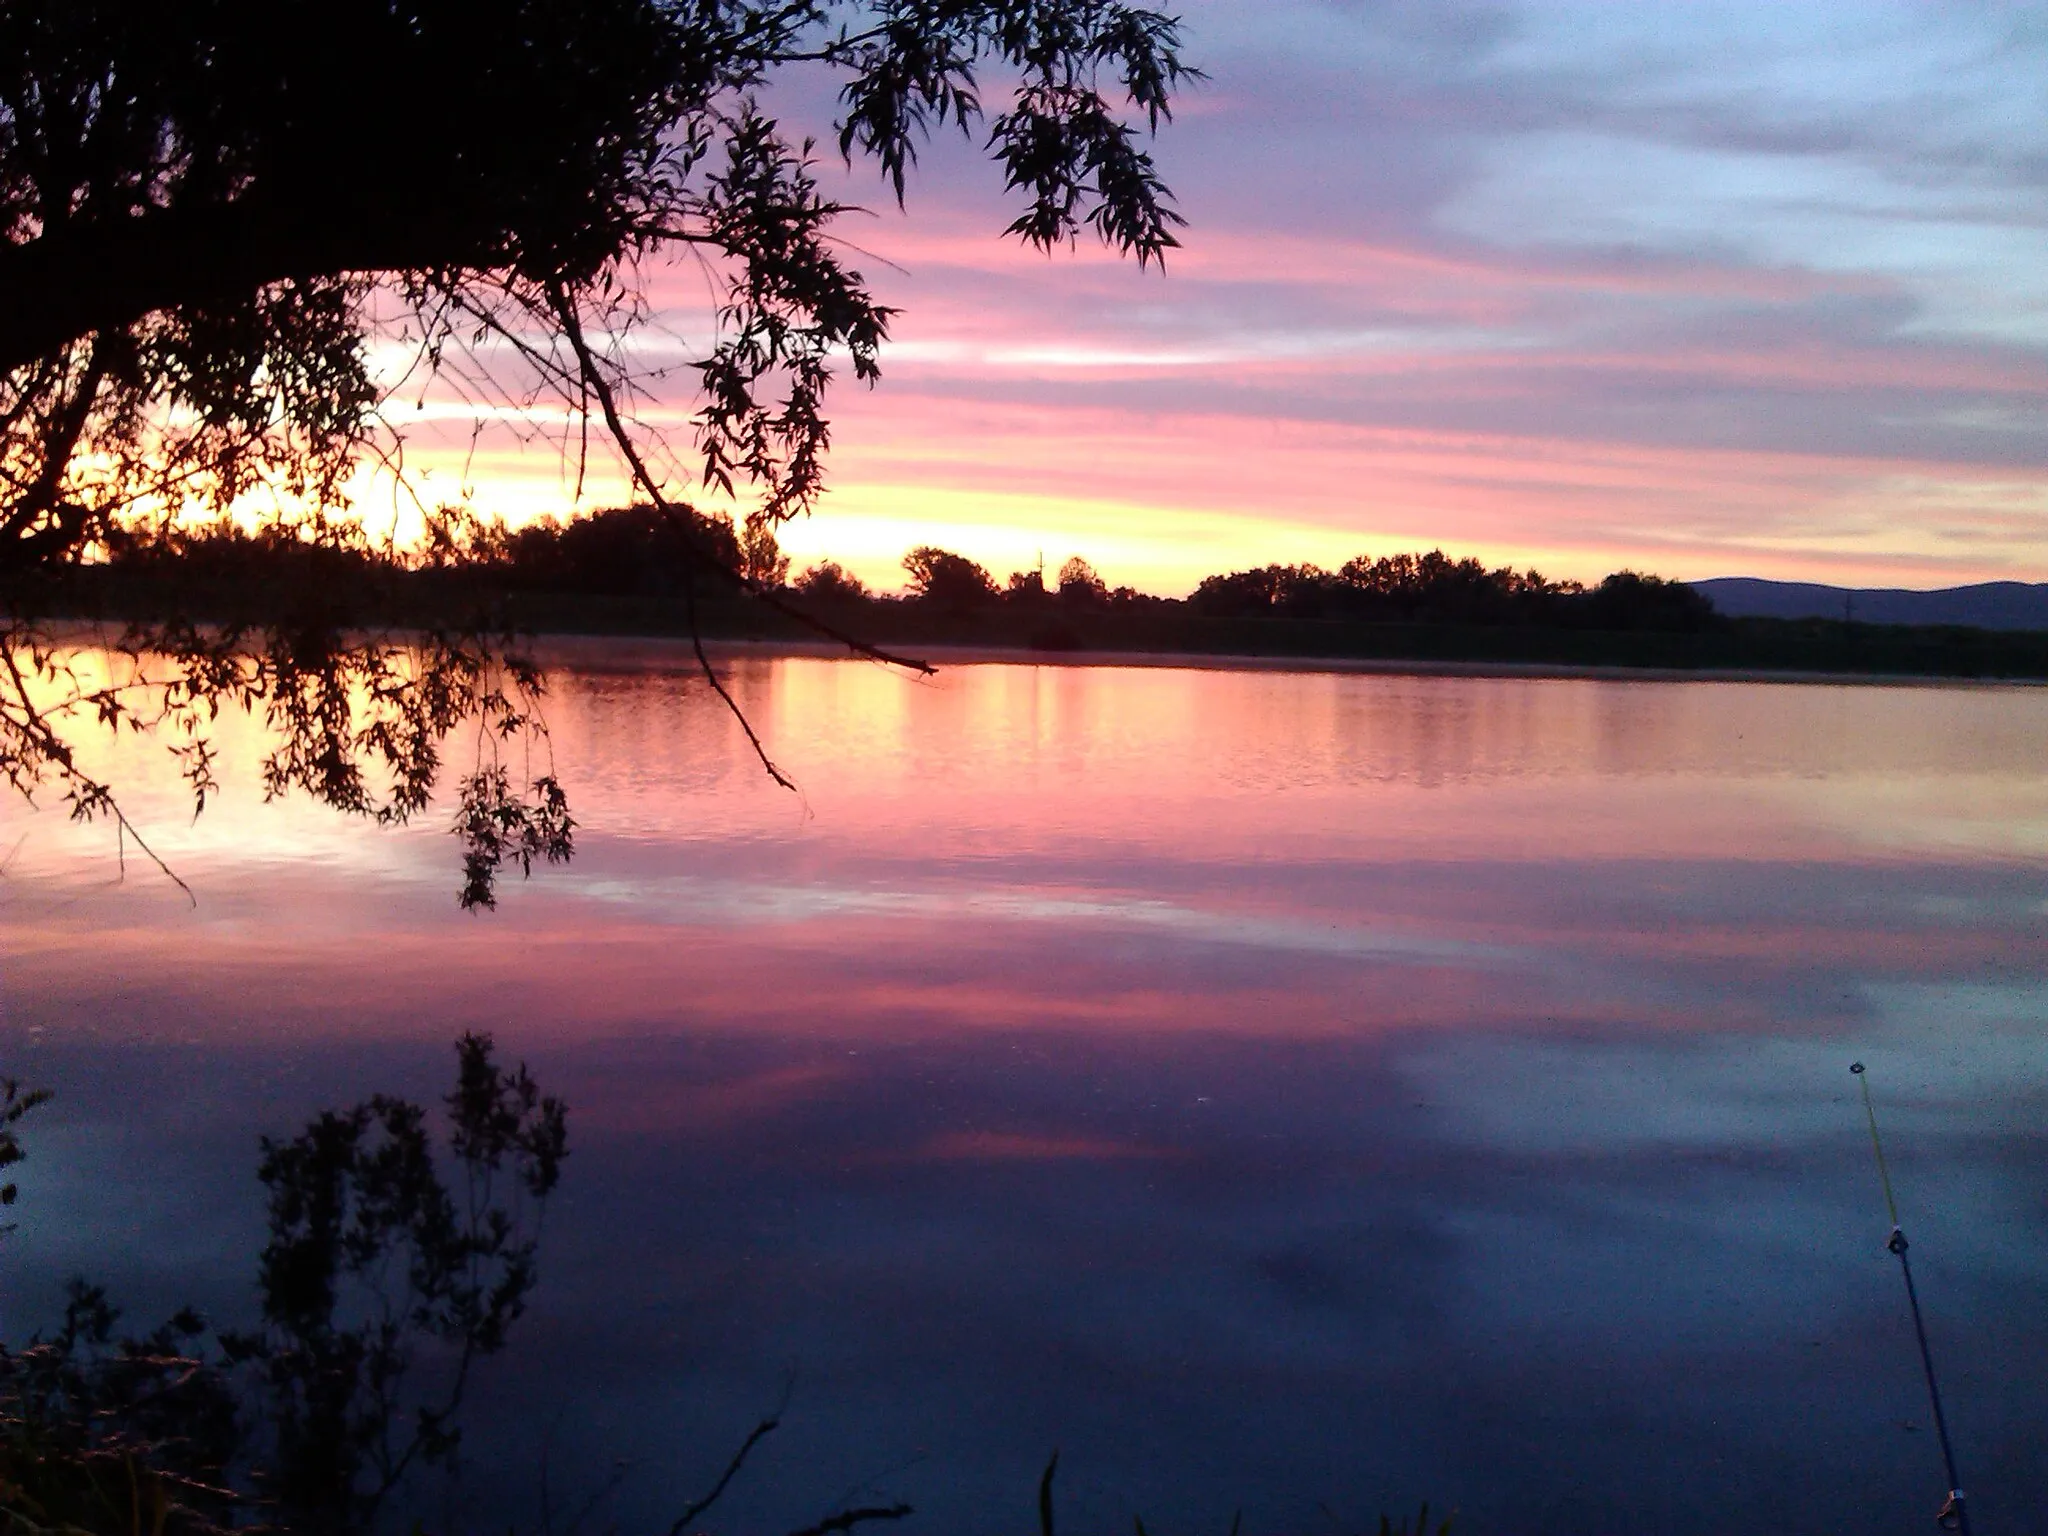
(1704, 289)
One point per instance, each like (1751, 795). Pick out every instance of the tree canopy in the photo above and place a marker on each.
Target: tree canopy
(949, 580)
(213, 211)
(1434, 588)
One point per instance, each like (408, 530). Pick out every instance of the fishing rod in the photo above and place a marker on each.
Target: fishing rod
(1954, 1514)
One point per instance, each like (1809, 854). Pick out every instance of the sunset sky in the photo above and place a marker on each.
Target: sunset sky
(1705, 290)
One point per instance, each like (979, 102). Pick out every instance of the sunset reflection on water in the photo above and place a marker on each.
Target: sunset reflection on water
(1271, 1087)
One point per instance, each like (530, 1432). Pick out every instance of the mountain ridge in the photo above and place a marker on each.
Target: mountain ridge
(2007, 605)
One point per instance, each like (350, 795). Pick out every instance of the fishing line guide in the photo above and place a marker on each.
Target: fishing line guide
(1954, 1513)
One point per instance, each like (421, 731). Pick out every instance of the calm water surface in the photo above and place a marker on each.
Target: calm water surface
(1296, 1093)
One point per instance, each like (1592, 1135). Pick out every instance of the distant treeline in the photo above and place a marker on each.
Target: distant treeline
(640, 552)
(1394, 589)
(627, 551)
(639, 571)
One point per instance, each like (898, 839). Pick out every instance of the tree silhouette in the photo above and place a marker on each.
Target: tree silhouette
(390, 1270)
(211, 211)
(1433, 588)
(1080, 586)
(946, 580)
(828, 582)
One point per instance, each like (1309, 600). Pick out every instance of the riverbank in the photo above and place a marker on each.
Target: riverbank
(597, 654)
(1735, 649)
(1048, 629)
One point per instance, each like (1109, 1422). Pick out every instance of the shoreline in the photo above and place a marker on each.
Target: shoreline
(584, 650)
(596, 653)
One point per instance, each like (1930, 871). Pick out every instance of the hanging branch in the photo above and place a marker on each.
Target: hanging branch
(199, 225)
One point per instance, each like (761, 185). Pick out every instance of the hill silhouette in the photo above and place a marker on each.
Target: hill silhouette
(2004, 605)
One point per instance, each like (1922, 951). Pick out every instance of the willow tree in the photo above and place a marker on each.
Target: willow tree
(212, 209)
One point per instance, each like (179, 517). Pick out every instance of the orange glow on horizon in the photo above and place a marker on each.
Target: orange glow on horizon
(1400, 398)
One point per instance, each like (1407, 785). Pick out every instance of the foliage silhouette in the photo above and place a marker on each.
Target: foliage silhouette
(1433, 588)
(100, 1433)
(946, 580)
(636, 551)
(355, 1198)
(389, 1271)
(208, 230)
(15, 1103)
(383, 1282)
(827, 583)
(1080, 586)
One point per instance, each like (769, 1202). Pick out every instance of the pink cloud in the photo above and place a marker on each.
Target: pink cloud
(1451, 298)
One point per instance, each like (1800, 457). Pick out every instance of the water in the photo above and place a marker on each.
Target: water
(1301, 1093)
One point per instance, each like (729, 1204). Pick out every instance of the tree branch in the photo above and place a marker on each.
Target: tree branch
(761, 1432)
(847, 1519)
(104, 277)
